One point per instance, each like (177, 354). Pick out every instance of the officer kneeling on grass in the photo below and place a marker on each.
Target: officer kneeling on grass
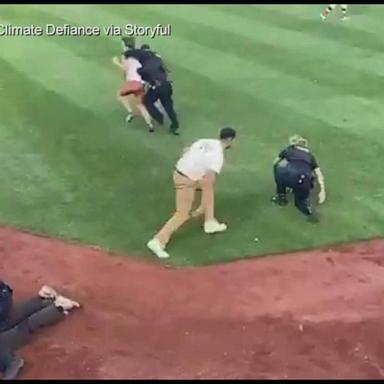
(296, 168)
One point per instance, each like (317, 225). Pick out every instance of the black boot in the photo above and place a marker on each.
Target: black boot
(313, 218)
(173, 129)
(280, 200)
(13, 368)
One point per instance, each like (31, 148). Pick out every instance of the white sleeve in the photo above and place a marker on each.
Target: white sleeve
(217, 162)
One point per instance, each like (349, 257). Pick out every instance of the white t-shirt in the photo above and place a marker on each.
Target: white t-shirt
(202, 156)
(132, 65)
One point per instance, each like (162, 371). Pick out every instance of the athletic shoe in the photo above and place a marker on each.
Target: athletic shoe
(344, 18)
(212, 227)
(129, 117)
(13, 368)
(47, 292)
(174, 132)
(66, 304)
(155, 246)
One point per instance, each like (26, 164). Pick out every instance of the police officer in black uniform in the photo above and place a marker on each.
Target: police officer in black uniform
(297, 169)
(154, 73)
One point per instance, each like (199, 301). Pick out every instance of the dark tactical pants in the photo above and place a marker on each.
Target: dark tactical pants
(163, 93)
(301, 185)
(25, 318)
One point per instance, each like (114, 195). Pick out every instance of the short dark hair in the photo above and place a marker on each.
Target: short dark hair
(227, 133)
(129, 42)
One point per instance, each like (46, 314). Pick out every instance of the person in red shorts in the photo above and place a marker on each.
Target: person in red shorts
(134, 85)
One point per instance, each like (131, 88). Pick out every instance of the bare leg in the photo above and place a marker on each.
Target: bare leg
(145, 114)
(125, 101)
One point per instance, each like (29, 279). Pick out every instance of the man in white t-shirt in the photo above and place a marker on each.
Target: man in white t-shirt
(134, 85)
(198, 168)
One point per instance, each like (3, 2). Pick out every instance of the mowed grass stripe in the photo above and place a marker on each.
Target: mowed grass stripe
(362, 18)
(241, 21)
(238, 21)
(241, 41)
(270, 85)
(343, 32)
(78, 182)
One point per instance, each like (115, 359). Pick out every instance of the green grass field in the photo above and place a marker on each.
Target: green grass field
(71, 167)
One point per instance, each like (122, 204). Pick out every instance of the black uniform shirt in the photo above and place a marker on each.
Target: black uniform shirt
(300, 158)
(152, 70)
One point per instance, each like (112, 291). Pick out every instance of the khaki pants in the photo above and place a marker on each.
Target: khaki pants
(185, 196)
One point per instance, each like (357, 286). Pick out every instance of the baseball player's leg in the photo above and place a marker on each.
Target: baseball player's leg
(344, 9)
(327, 11)
(185, 194)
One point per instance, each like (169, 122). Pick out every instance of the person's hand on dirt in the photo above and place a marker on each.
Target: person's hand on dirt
(66, 304)
(47, 292)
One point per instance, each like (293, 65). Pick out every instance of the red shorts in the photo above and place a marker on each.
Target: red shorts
(133, 88)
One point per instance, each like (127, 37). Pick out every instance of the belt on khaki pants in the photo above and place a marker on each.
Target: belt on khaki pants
(181, 173)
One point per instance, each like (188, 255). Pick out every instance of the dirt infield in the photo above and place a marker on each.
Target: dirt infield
(308, 315)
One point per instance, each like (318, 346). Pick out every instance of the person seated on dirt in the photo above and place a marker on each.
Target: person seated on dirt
(296, 169)
(19, 320)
